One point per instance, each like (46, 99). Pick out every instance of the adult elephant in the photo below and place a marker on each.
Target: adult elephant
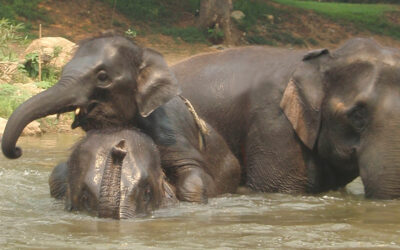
(112, 82)
(304, 122)
(113, 173)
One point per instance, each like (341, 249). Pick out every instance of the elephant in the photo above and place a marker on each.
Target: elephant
(304, 121)
(111, 82)
(113, 173)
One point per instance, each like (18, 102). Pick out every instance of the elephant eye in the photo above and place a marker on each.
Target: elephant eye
(102, 76)
(358, 116)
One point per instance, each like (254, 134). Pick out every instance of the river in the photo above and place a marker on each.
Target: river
(31, 219)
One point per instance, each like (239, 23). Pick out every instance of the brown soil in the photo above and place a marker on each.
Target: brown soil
(76, 20)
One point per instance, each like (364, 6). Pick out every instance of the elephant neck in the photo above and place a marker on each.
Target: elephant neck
(158, 126)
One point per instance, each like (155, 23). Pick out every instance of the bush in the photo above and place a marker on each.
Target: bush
(10, 98)
(154, 11)
(28, 9)
(50, 74)
(142, 10)
(260, 40)
(363, 1)
(287, 38)
(215, 35)
(255, 11)
(188, 34)
(9, 33)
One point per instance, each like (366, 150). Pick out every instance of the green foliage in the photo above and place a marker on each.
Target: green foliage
(260, 40)
(50, 74)
(362, 1)
(142, 10)
(117, 24)
(9, 33)
(365, 16)
(188, 34)
(215, 35)
(161, 16)
(255, 11)
(44, 84)
(131, 33)
(28, 9)
(6, 11)
(312, 41)
(287, 38)
(57, 51)
(10, 98)
(31, 66)
(154, 11)
(192, 5)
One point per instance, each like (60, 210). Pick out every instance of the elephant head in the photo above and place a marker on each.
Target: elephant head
(345, 107)
(107, 82)
(113, 174)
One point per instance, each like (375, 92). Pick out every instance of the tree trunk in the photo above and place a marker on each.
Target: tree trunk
(215, 16)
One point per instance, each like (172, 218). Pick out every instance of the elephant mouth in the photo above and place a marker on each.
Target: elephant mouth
(81, 115)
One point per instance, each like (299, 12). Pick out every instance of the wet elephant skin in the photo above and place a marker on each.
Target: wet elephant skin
(304, 122)
(113, 83)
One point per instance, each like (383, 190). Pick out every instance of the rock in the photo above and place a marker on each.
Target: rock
(237, 15)
(218, 47)
(7, 70)
(56, 51)
(3, 123)
(33, 128)
(270, 18)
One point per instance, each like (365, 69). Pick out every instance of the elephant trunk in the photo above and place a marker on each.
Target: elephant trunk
(57, 99)
(380, 166)
(110, 188)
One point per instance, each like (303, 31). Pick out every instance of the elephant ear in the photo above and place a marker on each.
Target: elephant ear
(303, 96)
(156, 83)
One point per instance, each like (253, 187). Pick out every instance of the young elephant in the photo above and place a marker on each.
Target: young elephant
(112, 82)
(113, 174)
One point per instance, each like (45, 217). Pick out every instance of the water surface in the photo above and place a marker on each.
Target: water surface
(30, 218)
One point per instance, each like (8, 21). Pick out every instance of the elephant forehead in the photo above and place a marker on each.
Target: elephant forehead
(389, 105)
(83, 63)
(94, 174)
(130, 179)
(384, 56)
(130, 173)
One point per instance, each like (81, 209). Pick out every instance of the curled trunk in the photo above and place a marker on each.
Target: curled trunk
(110, 189)
(54, 100)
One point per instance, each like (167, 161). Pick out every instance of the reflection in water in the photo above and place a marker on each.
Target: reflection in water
(30, 218)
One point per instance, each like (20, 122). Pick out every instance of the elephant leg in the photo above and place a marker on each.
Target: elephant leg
(193, 184)
(267, 168)
(58, 181)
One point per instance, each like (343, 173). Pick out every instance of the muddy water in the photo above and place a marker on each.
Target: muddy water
(29, 218)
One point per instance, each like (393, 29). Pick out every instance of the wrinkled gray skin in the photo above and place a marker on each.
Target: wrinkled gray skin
(112, 174)
(111, 82)
(304, 122)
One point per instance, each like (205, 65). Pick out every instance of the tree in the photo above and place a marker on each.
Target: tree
(215, 17)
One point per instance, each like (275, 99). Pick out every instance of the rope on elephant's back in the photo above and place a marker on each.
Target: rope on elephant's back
(200, 123)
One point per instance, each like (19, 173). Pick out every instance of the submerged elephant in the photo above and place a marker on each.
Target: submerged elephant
(113, 174)
(304, 122)
(112, 82)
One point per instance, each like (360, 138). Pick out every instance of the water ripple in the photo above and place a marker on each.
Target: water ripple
(31, 219)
